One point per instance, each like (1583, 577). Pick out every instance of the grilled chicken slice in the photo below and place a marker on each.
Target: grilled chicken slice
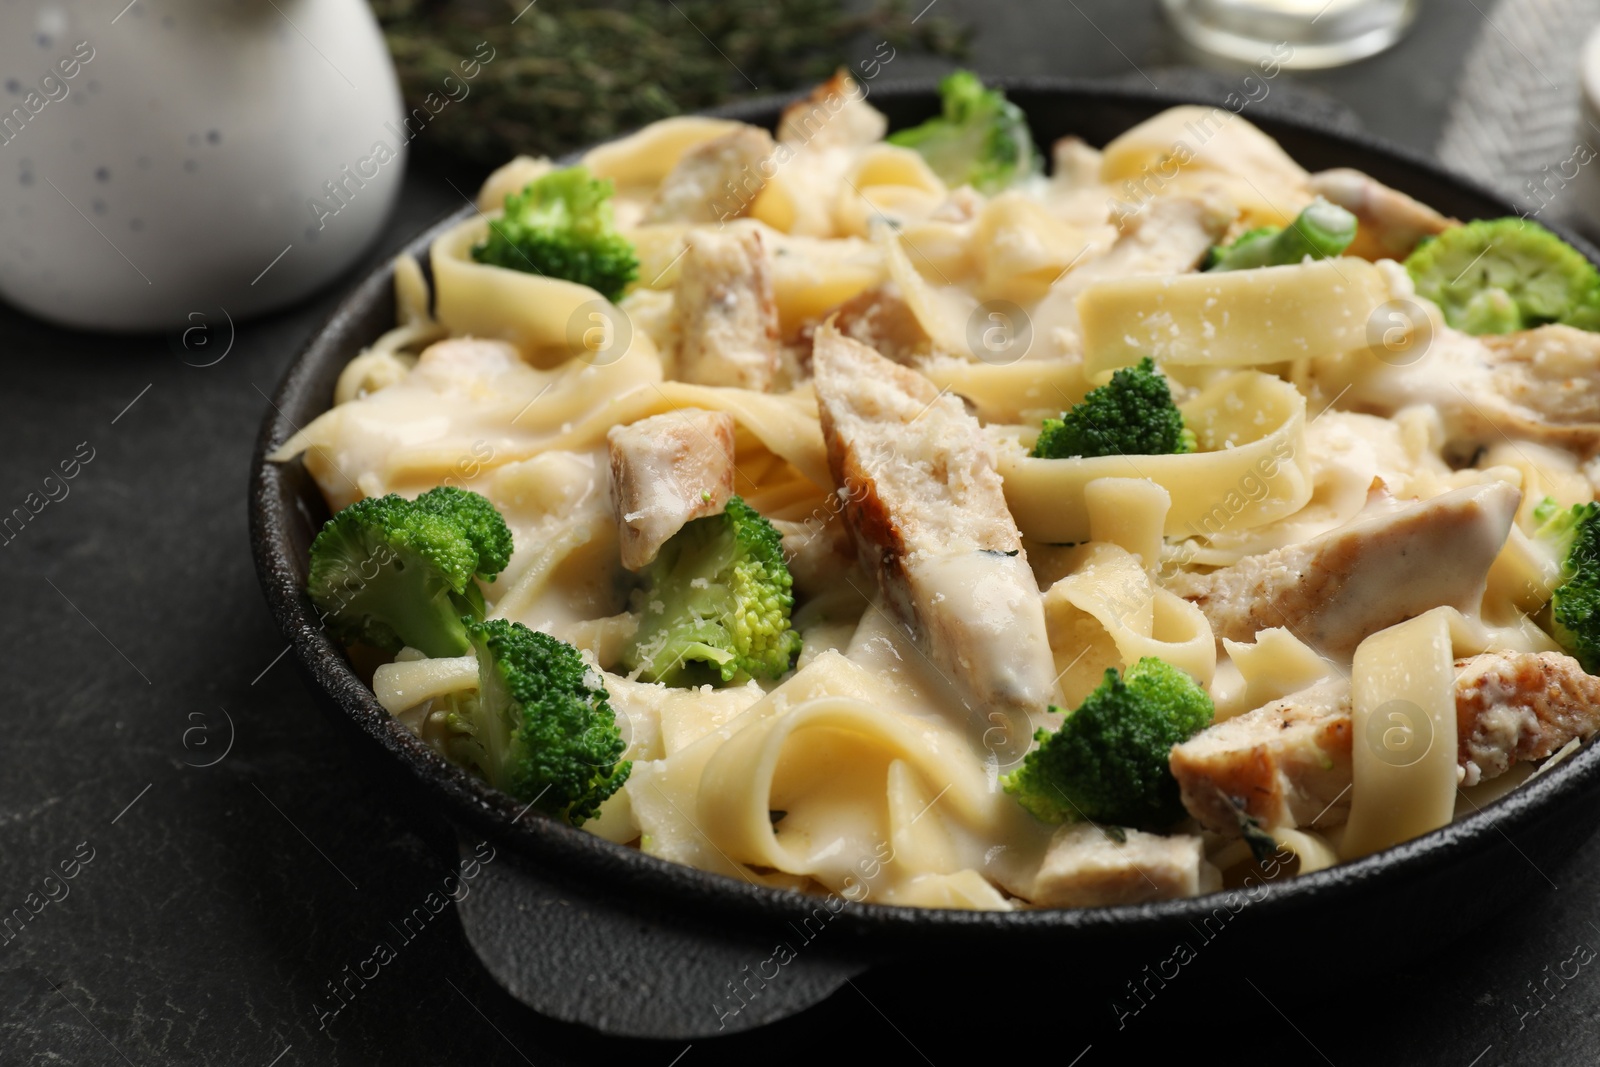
(924, 505)
(1552, 374)
(1334, 590)
(835, 115)
(1288, 763)
(1538, 385)
(881, 319)
(1170, 236)
(667, 470)
(715, 181)
(1514, 707)
(1391, 223)
(726, 313)
(1085, 867)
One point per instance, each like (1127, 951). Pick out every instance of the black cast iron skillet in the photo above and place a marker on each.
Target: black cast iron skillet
(591, 932)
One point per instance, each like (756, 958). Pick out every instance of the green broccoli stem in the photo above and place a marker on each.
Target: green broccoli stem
(423, 610)
(1321, 231)
(540, 726)
(716, 604)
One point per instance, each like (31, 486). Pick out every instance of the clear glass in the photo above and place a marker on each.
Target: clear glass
(1313, 33)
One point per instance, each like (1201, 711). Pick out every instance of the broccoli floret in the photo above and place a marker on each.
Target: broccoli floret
(393, 572)
(561, 225)
(1499, 275)
(539, 727)
(1321, 231)
(1132, 415)
(1108, 761)
(1574, 535)
(981, 139)
(715, 603)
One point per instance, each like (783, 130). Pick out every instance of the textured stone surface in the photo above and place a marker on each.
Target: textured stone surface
(216, 908)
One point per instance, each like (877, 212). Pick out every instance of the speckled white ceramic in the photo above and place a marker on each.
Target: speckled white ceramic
(163, 158)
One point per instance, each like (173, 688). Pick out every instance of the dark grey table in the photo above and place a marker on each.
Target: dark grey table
(217, 902)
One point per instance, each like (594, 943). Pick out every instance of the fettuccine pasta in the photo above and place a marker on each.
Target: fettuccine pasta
(1039, 460)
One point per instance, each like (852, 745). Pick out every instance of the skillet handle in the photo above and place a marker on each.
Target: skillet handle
(622, 972)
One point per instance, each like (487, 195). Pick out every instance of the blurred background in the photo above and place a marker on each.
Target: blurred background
(162, 270)
(1495, 87)
(179, 167)
(195, 147)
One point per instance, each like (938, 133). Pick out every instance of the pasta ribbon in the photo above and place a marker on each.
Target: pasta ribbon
(468, 406)
(380, 366)
(615, 821)
(1021, 248)
(1026, 391)
(785, 423)
(1232, 318)
(1195, 149)
(659, 246)
(510, 178)
(564, 576)
(674, 719)
(1252, 467)
(800, 196)
(1111, 586)
(644, 158)
(1547, 471)
(1274, 665)
(1313, 850)
(965, 889)
(1403, 733)
(534, 312)
(886, 181)
(671, 796)
(942, 310)
(410, 292)
(919, 844)
(941, 248)
(406, 683)
(388, 359)
(1129, 513)
(1521, 580)
(605, 637)
(831, 765)
(811, 276)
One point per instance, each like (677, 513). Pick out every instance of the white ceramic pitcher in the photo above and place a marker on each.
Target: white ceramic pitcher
(168, 157)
